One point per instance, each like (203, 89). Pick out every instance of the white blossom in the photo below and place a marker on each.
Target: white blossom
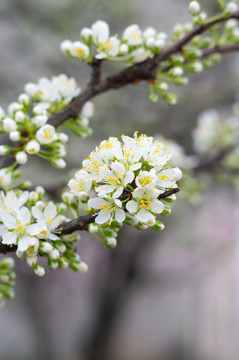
(18, 230)
(46, 134)
(111, 242)
(12, 202)
(24, 99)
(132, 34)
(81, 182)
(5, 178)
(55, 90)
(194, 7)
(63, 137)
(114, 179)
(79, 50)
(9, 125)
(100, 31)
(3, 149)
(65, 46)
(197, 66)
(109, 209)
(39, 270)
(86, 34)
(231, 7)
(31, 89)
(150, 32)
(14, 135)
(139, 55)
(146, 205)
(59, 163)
(21, 157)
(123, 49)
(32, 147)
(39, 120)
(177, 71)
(88, 109)
(19, 116)
(13, 107)
(47, 221)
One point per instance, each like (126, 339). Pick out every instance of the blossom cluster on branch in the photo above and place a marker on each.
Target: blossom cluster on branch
(132, 180)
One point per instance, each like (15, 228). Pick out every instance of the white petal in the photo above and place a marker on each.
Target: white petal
(129, 177)
(24, 216)
(23, 198)
(57, 221)
(53, 236)
(50, 211)
(24, 243)
(36, 212)
(9, 238)
(33, 229)
(135, 166)
(132, 206)
(95, 202)
(2, 229)
(118, 192)
(143, 215)
(138, 192)
(119, 215)
(103, 217)
(157, 206)
(118, 168)
(9, 221)
(118, 202)
(104, 189)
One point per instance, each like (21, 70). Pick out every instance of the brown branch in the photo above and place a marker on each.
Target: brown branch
(220, 50)
(82, 222)
(96, 72)
(210, 161)
(143, 71)
(4, 249)
(168, 193)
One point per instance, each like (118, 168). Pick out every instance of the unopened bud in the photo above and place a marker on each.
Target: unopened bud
(63, 263)
(111, 242)
(93, 228)
(166, 210)
(21, 157)
(158, 226)
(80, 266)
(32, 260)
(39, 270)
(46, 247)
(194, 7)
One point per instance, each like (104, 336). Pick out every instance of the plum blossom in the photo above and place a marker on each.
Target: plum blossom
(146, 205)
(17, 230)
(47, 221)
(109, 209)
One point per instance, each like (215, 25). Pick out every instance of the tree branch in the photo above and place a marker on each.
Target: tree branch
(220, 50)
(142, 71)
(96, 72)
(82, 222)
(210, 161)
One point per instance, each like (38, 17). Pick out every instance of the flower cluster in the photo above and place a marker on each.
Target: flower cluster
(30, 224)
(26, 122)
(53, 93)
(128, 177)
(7, 277)
(216, 134)
(213, 132)
(134, 46)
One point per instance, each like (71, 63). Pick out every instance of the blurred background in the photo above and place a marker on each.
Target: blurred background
(172, 295)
